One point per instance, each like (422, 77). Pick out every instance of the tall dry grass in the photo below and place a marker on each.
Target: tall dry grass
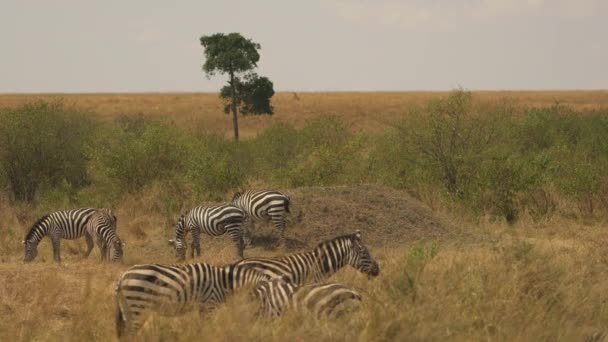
(361, 110)
(483, 281)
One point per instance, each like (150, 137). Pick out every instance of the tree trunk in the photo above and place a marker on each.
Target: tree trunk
(235, 118)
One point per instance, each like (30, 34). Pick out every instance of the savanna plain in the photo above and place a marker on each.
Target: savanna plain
(486, 211)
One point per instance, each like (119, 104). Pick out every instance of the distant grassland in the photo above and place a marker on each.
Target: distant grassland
(360, 110)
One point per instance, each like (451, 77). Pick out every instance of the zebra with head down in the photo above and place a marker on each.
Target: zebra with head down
(321, 262)
(102, 228)
(65, 224)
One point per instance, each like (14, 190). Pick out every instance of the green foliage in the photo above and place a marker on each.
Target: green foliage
(43, 143)
(233, 54)
(139, 152)
(274, 150)
(449, 139)
(501, 164)
(252, 95)
(216, 166)
(229, 53)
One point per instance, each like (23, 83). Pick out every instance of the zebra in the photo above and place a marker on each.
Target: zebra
(278, 295)
(214, 221)
(316, 265)
(66, 224)
(264, 205)
(101, 226)
(173, 289)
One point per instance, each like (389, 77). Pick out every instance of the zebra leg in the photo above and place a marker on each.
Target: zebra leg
(102, 247)
(279, 223)
(56, 241)
(236, 234)
(89, 239)
(248, 226)
(104, 251)
(196, 243)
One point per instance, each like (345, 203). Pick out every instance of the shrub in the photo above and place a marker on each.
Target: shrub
(217, 165)
(139, 152)
(43, 143)
(323, 153)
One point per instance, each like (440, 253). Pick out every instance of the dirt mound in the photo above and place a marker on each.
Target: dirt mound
(385, 216)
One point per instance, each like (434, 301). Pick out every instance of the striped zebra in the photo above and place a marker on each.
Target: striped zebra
(173, 289)
(214, 221)
(66, 224)
(101, 226)
(316, 265)
(322, 300)
(264, 205)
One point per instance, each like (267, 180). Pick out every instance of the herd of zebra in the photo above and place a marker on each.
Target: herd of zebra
(292, 282)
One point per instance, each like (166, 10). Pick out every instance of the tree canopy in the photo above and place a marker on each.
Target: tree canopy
(237, 56)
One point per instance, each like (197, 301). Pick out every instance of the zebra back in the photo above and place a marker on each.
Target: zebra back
(102, 226)
(324, 260)
(172, 289)
(258, 203)
(214, 221)
(321, 300)
(65, 224)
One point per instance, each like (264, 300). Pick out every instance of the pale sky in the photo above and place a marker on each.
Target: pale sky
(150, 46)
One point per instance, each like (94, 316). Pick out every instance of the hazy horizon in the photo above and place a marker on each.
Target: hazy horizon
(369, 46)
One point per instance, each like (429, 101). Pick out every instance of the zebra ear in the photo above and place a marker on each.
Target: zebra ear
(358, 234)
(23, 242)
(171, 242)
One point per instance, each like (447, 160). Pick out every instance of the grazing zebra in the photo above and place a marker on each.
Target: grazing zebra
(66, 224)
(314, 266)
(322, 300)
(214, 221)
(102, 228)
(264, 205)
(173, 289)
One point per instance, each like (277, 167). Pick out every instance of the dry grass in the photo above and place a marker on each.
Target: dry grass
(532, 282)
(361, 111)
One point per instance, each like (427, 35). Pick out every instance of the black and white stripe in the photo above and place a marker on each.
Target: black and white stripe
(102, 228)
(173, 289)
(314, 266)
(264, 205)
(66, 224)
(277, 295)
(214, 221)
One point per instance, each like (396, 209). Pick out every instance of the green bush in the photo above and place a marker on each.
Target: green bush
(275, 150)
(135, 152)
(43, 144)
(323, 153)
(217, 165)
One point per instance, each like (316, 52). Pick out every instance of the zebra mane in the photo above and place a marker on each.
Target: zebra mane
(36, 224)
(350, 236)
(181, 222)
(237, 195)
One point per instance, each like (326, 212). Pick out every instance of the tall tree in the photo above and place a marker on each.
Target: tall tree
(237, 56)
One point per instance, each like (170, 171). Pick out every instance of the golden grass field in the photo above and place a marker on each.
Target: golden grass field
(444, 276)
(361, 111)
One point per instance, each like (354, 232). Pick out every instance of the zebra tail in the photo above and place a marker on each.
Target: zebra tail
(287, 205)
(122, 314)
(120, 321)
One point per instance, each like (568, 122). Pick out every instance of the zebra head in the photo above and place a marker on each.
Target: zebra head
(236, 196)
(31, 250)
(117, 251)
(179, 247)
(360, 257)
